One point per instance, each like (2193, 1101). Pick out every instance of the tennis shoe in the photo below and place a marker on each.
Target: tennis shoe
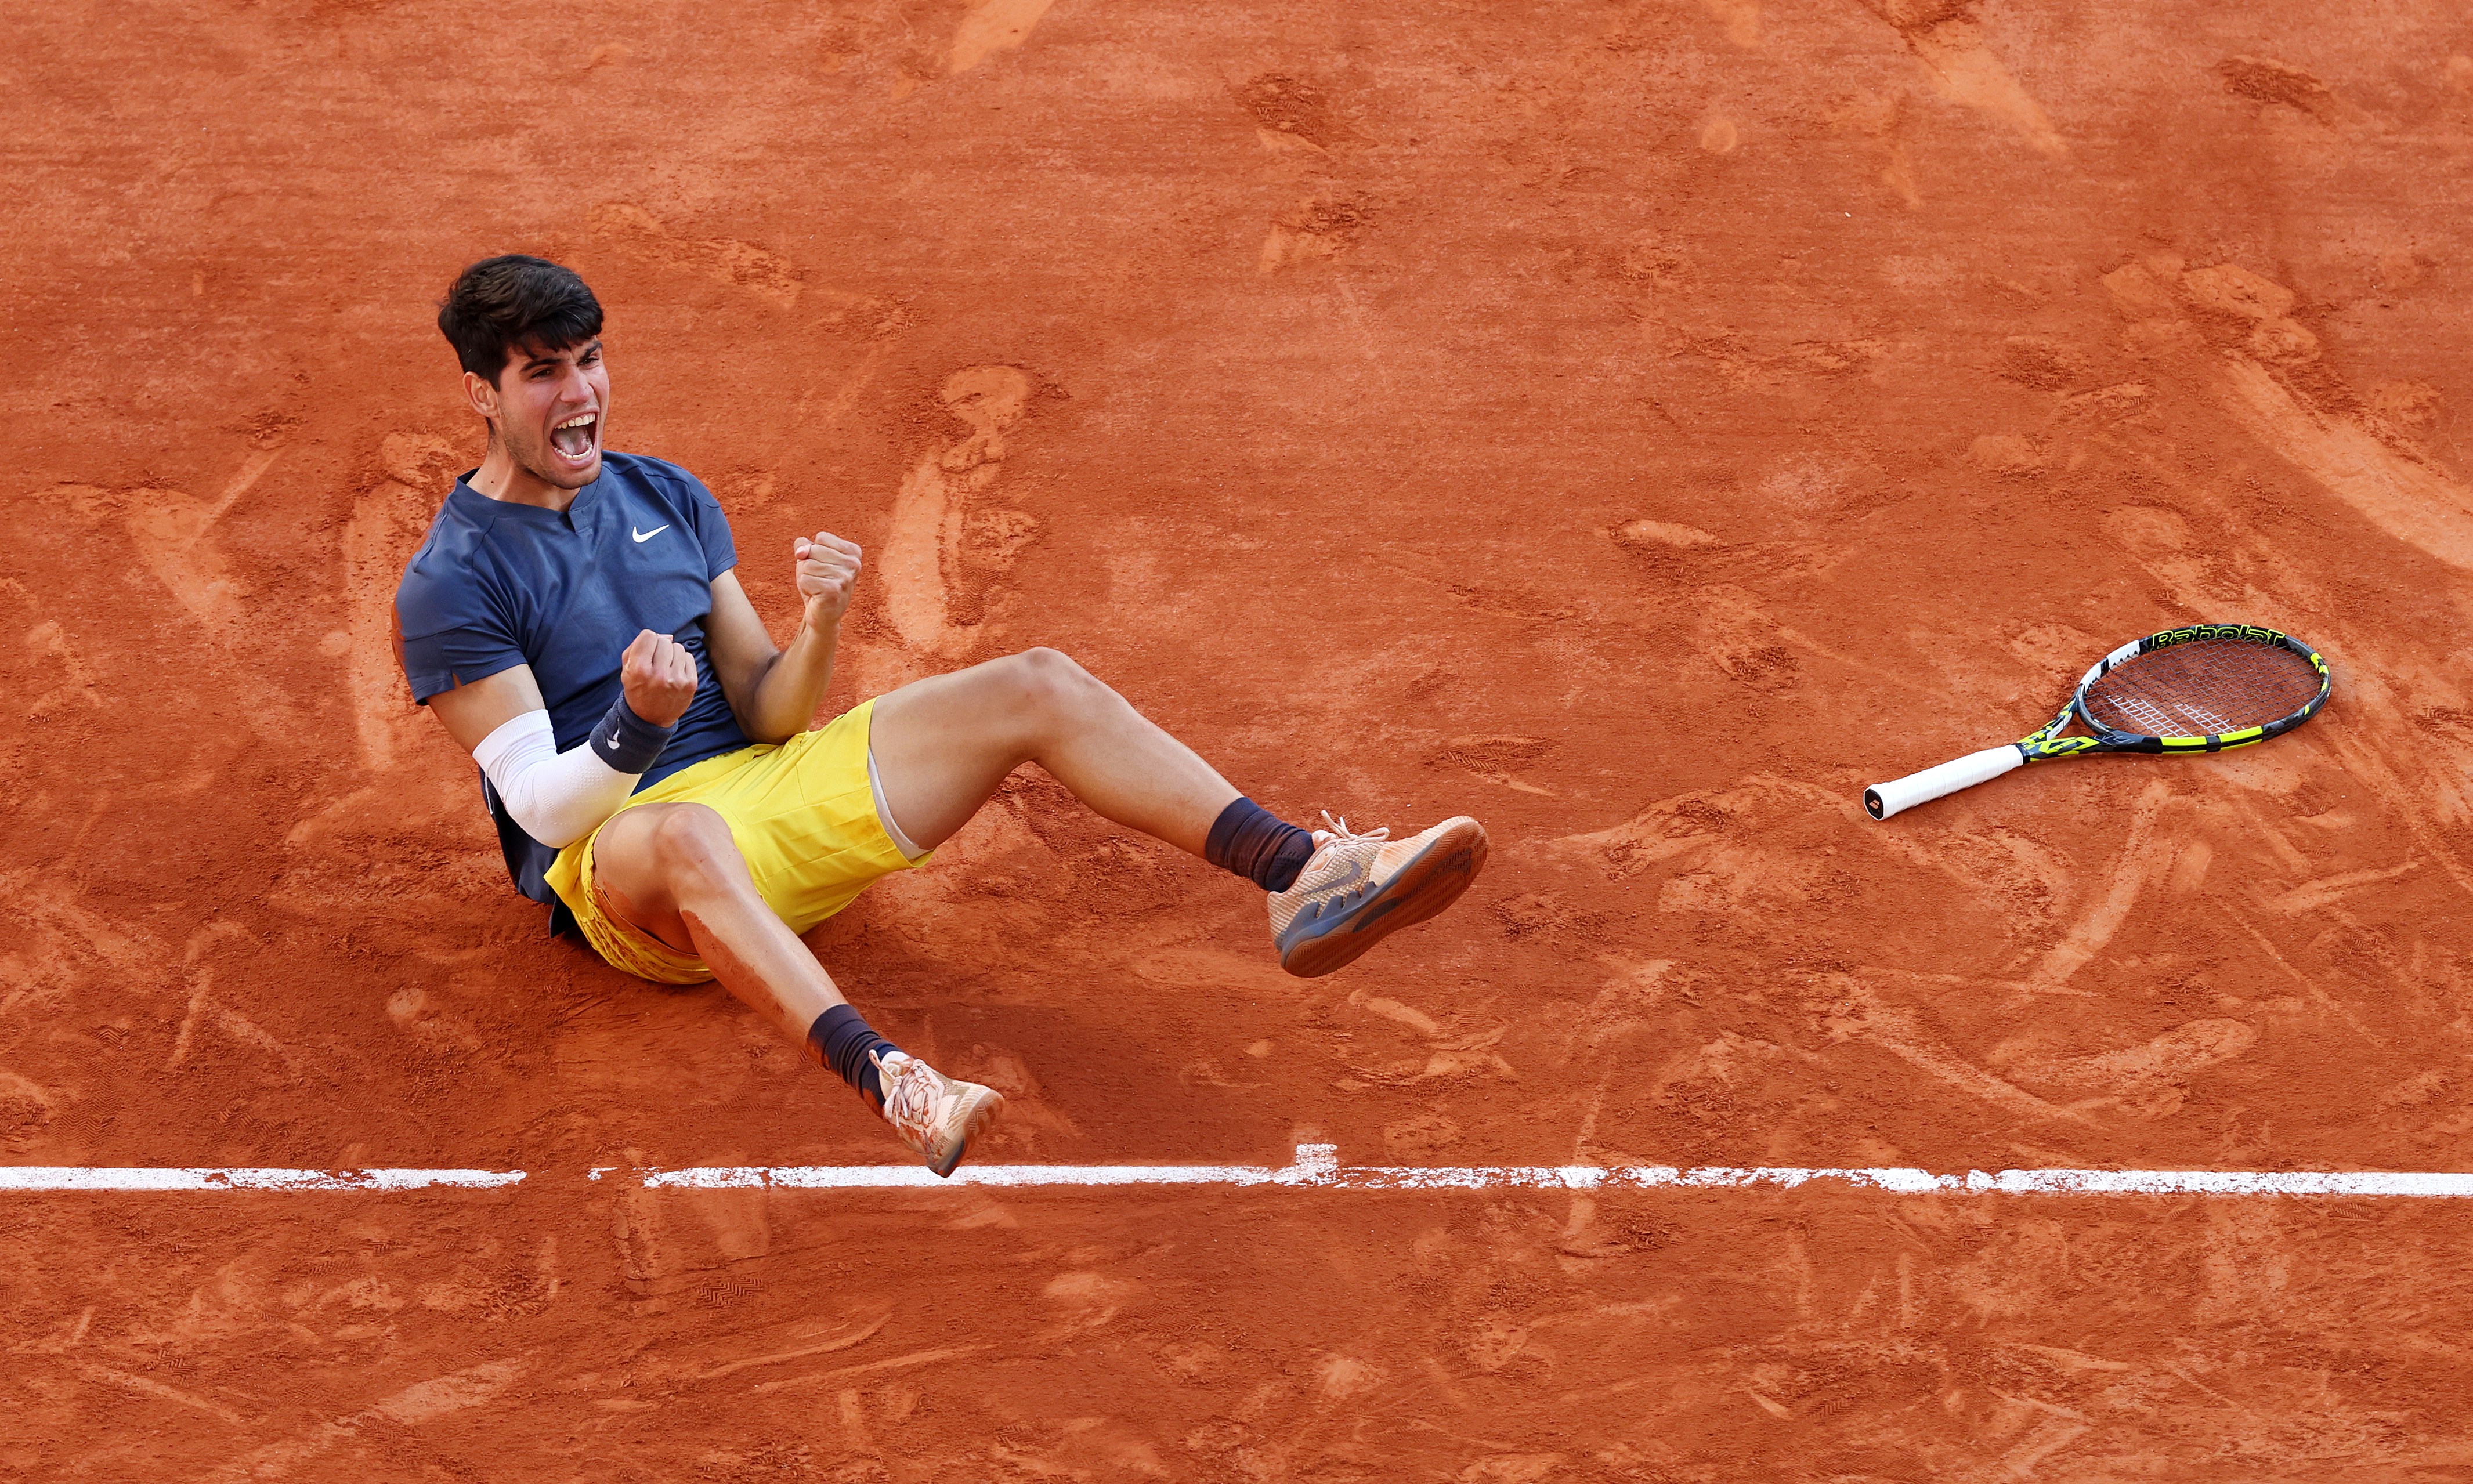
(935, 1115)
(1359, 889)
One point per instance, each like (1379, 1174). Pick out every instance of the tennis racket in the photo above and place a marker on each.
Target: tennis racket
(2200, 689)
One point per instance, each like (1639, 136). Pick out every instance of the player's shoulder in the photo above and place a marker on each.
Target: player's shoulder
(449, 576)
(660, 478)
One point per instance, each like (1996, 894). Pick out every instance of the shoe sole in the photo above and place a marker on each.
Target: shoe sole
(978, 1120)
(1431, 881)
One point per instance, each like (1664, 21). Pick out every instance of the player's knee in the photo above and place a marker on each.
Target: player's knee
(693, 845)
(1050, 682)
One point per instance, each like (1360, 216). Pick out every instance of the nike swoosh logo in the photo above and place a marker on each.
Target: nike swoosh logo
(1355, 872)
(613, 741)
(641, 536)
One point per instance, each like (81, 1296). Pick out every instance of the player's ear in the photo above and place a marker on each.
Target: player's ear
(482, 394)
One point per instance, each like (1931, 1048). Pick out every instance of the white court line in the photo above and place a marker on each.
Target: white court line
(82, 1177)
(1317, 1167)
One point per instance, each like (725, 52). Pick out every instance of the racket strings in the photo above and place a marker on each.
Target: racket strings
(2202, 689)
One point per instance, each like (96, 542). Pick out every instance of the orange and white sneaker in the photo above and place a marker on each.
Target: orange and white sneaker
(935, 1115)
(1359, 889)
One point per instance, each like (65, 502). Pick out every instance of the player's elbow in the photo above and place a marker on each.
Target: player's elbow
(546, 821)
(548, 832)
(759, 720)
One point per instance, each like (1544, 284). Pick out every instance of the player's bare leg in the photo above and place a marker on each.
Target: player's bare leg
(672, 871)
(943, 747)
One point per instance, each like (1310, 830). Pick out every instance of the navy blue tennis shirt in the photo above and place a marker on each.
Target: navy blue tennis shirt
(496, 585)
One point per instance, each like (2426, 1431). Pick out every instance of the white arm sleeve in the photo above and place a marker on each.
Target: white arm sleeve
(558, 798)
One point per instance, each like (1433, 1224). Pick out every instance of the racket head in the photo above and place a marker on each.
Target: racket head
(2202, 689)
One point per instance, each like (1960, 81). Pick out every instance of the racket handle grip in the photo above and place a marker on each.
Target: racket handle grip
(1882, 799)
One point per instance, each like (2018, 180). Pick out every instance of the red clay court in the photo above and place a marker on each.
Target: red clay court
(1640, 425)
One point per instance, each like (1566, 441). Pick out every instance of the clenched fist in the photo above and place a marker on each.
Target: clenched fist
(828, 566)
(659, 677)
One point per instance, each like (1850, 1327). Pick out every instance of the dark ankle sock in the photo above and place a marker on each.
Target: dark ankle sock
(1258, 845)
(842, 1041)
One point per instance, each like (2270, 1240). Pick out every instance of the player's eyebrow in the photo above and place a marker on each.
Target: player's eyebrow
(555, 357)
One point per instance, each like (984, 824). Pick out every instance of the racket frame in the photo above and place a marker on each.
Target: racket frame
(2044, 743)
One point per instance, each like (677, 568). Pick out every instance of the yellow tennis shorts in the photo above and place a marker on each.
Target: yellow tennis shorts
(802, 815)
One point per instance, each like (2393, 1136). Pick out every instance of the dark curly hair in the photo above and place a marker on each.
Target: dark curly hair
(500, 303)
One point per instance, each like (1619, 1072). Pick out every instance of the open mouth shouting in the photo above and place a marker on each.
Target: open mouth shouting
(577, 442)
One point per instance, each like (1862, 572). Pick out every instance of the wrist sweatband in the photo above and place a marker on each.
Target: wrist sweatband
(626, 741)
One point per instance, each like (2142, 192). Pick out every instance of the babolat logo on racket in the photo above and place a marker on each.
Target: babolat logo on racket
(2202, 689)
(2247, 632)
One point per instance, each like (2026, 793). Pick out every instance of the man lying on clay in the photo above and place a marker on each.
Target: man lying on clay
(574, 621)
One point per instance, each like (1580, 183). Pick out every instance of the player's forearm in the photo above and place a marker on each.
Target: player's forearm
(558, 798)
(793, 686)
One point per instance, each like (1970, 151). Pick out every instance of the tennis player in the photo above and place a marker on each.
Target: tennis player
(575, 622)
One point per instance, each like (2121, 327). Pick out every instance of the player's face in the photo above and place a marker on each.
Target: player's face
(552, 405)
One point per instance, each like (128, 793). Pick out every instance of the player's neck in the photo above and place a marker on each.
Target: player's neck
(501, 478)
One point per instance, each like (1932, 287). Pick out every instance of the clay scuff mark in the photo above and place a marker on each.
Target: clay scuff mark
(1742, 19)
(2150, 1078)
(424, 1401)
(1718, 822)
(2263, 80)
(1497, 759)
(1850, 1010)
(940, 551)
(2407, 499)
(144, 1386)
(1961, 68)
(904, 1362)
(726, 261)
(2129, 876)
(839, 1342)
(994, 26)
(1292, 112)
(2325, 891)
(2272, 380)
(1883, 120)
(1314, 227)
